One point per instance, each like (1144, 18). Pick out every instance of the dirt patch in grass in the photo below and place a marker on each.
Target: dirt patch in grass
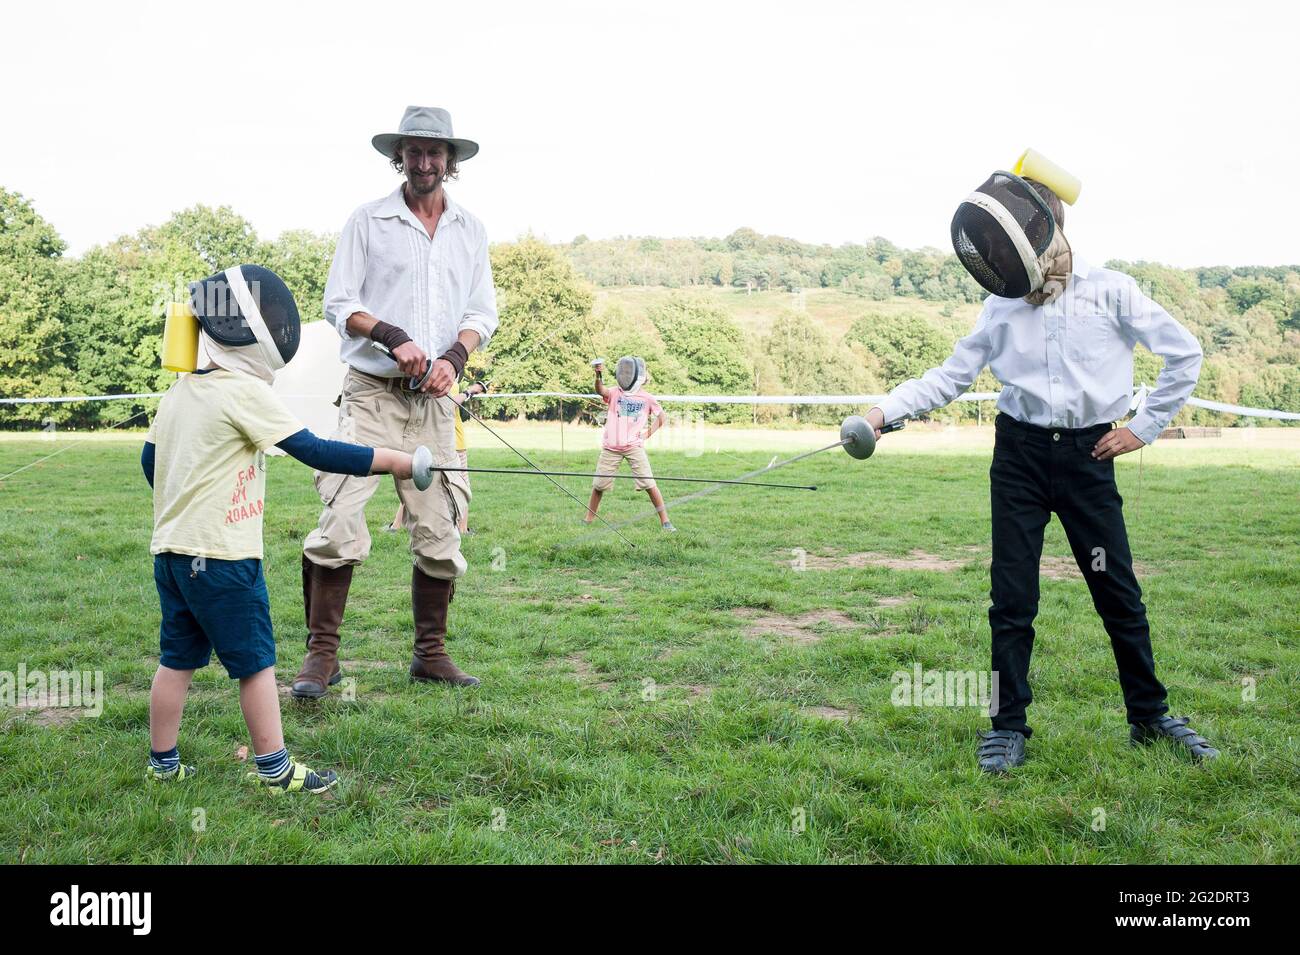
(828, 713)
(917, 560)
(1064, 568)
(48, 716)
(893, 601)
(592, 585)
(1053, 567)
(698, 691)
(586, 673)
(801, 630)
(1059, 568)
(559, 601)
(41, 710)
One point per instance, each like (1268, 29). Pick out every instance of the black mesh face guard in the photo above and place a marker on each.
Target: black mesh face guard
(995, 229)
(629, 371)
(219, 313)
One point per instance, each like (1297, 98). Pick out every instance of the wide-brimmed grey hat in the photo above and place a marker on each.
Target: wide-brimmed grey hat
(425, 122)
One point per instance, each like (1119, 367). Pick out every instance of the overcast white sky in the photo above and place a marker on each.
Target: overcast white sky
(828, 122)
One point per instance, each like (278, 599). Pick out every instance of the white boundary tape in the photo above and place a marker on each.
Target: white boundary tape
(65, 399)
(1239, 409)
(697, 400)
(733, 399)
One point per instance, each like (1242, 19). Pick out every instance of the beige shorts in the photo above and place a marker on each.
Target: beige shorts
(376, 412)
(611, 460)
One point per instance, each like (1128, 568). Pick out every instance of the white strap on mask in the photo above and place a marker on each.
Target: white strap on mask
(1014, 231)
(252, 315)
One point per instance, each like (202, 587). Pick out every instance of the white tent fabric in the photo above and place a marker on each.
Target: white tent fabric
(309, 384)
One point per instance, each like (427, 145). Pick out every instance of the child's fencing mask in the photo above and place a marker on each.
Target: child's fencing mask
(630, 372)
(1002, 234)
(249, 320)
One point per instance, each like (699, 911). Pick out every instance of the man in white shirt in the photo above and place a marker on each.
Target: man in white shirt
(1066, 369)
(411, 273)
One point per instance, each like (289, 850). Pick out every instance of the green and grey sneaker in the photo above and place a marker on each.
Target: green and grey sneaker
(176, 775)
(299, 778)
(668, 527)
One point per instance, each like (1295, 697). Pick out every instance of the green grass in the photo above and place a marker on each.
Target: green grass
(561, 752)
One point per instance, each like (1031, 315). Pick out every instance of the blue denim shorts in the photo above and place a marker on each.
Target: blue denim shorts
(210, 604)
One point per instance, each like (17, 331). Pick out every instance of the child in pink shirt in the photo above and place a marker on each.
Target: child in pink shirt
(626, 431)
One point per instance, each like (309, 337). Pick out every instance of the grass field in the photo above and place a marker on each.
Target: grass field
(689, 700)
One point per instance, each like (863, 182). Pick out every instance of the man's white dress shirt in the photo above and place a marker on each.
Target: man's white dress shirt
(387, 266)
(1068, 364)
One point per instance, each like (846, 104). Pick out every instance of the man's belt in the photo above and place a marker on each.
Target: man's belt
(400, 383)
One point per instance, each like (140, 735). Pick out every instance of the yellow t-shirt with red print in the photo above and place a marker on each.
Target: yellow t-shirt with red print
(210, 434)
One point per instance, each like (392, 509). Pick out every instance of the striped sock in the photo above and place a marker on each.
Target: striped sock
(273, 766)
(165, 762)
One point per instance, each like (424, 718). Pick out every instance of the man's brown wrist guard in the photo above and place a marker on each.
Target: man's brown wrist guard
(390, 336)
(456, 356)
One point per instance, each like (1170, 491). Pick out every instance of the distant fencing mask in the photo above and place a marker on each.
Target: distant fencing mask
(1005, 236)
(249, 320)
(630, 372)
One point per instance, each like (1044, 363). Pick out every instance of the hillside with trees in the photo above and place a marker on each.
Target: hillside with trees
(738, 315)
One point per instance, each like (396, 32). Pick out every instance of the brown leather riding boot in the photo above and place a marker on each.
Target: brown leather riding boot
(324, 595)
(430, 597)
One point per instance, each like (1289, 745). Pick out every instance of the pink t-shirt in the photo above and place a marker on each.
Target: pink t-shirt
(625, 418)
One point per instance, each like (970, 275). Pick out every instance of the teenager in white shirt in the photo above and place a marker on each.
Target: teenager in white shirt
(1066, 367)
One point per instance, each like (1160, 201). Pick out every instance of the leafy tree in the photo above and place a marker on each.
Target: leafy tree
(33, 352)
(743, 240)
(1146, 367)
(546, 338)
(749, 271)
(847, 261)
(302, 258)
(807, 362)
(117, 296)
(901, 346)
(1274, 386)
(219, 237)
(710, 346)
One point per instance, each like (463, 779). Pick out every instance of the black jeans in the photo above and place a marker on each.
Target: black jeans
(1037, 471)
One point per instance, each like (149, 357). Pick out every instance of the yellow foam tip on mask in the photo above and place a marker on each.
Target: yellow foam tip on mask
(1036, 166)
(180, 351)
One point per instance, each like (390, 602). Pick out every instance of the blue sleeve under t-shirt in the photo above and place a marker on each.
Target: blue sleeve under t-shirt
(337, 457)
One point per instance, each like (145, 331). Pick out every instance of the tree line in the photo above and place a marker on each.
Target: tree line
(876, 270)
(92, 324)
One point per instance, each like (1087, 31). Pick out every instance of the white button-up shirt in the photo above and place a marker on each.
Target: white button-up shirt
(387, 266)
(1068, 364)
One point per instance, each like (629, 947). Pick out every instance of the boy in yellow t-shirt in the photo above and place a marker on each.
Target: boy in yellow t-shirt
(205, 459)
